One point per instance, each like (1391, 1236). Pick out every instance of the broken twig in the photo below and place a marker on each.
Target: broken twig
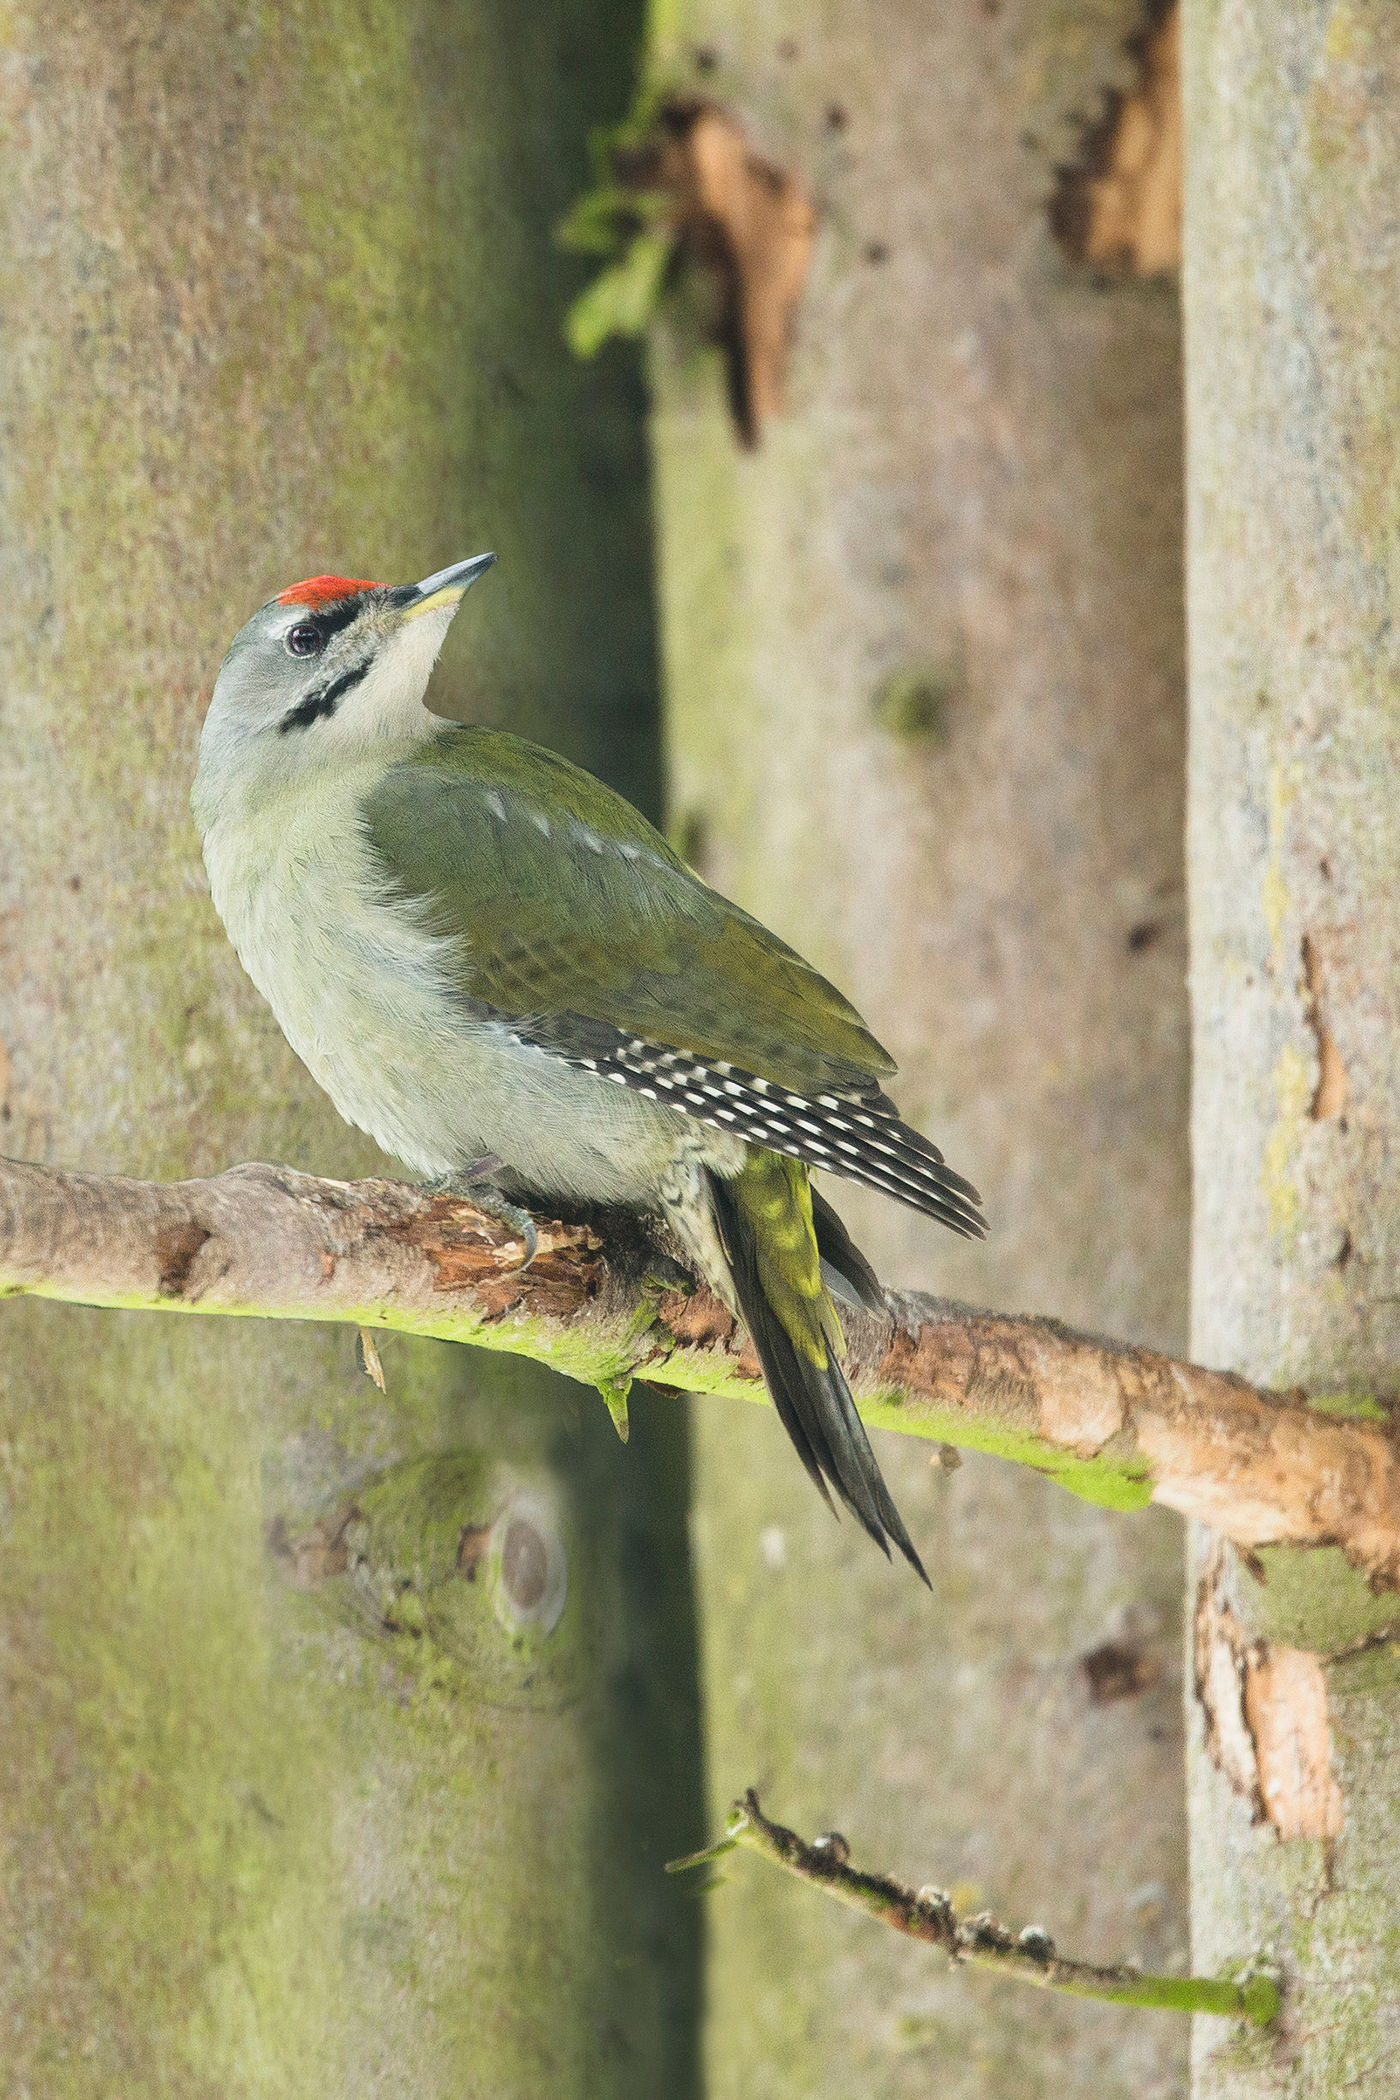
(928, 1914)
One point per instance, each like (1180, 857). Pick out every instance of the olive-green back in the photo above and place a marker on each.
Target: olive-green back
(567, 902)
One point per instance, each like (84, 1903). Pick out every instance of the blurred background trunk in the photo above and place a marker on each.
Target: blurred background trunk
(291, 1805)
(1292, 287)
(924, 673)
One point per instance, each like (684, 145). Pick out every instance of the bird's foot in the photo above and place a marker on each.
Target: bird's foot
(474, 1182)
(519, 1220)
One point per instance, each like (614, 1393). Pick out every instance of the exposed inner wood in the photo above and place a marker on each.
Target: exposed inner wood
(1330, 1097)
(1266, 1715)
(1285, 1705)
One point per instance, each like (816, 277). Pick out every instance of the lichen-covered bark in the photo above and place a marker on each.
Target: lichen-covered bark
(925, 711)
(602, 1299)
(303, 1793)
(1292, 273)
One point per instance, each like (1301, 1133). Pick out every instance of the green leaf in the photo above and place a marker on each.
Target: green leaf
(601, 220)
(702, 1859)
(622, 300)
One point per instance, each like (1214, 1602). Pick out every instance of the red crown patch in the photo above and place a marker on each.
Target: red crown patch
(324, 590)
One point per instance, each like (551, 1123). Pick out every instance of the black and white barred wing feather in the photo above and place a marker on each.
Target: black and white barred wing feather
(857, 1135)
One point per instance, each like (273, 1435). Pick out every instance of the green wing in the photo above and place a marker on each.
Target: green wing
(566, 901)
(576, 924)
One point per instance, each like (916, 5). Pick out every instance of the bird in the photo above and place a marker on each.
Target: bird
(496, 967)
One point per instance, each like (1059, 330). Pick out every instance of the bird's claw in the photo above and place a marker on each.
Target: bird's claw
(473, 1183)
(521, 1224)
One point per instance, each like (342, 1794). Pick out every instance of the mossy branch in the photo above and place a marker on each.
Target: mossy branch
(605, 1301)
(979, 1941)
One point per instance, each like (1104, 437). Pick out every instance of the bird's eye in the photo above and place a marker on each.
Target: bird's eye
(304, 641)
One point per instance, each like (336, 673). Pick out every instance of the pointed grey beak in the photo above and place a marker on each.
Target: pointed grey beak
(446, 588)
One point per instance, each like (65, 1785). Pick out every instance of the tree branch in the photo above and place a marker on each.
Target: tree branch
(605, 1302)
(979, 1941)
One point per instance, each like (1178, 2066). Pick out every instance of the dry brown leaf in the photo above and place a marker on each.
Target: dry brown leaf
(370, 1362)
(752, 224)
(1119, 207)
(766, 221)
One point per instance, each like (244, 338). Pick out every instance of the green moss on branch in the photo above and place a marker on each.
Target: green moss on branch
(604, 1302)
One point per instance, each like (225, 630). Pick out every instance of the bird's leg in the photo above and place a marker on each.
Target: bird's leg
(474, 1182)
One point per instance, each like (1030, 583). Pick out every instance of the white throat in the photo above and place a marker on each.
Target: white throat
(252, 756)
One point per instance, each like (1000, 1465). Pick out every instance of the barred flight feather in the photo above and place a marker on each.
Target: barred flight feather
(858, 1136)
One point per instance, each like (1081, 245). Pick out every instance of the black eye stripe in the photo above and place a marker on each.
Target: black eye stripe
(334, 617)
(325, 699)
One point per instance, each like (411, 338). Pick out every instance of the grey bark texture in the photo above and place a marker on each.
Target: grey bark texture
(1291, 294)
(974, 499)
(316, 1708)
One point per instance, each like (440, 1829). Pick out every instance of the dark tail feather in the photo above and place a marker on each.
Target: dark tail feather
(840, 1254)
(814, 1402)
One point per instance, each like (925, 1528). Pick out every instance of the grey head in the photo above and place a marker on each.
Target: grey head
(323, 671)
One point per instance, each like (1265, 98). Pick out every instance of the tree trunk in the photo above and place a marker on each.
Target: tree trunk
(1293, 271)
(342, 1737)
(925, 690)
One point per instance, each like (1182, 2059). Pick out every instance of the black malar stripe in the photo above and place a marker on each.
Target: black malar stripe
(324, 700)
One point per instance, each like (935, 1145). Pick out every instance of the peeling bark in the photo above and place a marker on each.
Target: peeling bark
(1264, 1709)
(1118, 1424)
(1219, 1650)
(1330, 1095)
(1286, 1711)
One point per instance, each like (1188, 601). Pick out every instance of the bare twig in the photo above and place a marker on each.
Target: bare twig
(604, 1301)
(979, 1941)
